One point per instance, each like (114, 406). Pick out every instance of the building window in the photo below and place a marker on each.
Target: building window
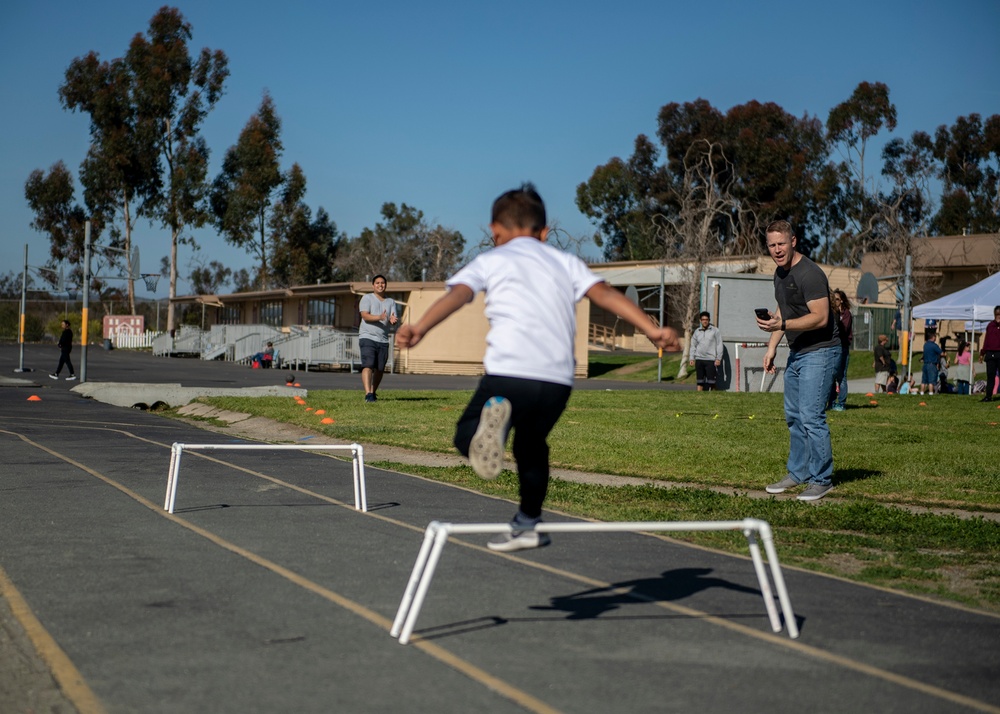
(320, 312)
(270, 314)
(230, 315)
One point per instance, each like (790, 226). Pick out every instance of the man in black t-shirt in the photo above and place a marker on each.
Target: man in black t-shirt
(883, 364)
(804, 317)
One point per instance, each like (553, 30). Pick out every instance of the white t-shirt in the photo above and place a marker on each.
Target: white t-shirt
(531, 294)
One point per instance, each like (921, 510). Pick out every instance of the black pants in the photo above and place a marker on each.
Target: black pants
(706, 372)
(992, 359)
(65, 360)
(536, 407)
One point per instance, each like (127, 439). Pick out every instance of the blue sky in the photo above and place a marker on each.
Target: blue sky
(444, 105)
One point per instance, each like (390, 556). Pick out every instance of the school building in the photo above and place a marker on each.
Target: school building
(457, 346)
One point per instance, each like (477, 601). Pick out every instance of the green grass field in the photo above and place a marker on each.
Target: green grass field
(936, 453)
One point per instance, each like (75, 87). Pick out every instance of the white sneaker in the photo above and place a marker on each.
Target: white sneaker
(71, 378)
(518, 540)
(53, 376)
(486, 449)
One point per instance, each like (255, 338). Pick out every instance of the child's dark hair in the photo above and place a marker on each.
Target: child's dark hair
(520, 208)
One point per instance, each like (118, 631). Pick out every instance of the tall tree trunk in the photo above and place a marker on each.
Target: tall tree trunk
(172, 292)
(128, 255)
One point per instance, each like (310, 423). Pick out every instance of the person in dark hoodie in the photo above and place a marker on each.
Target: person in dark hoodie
(65, 347)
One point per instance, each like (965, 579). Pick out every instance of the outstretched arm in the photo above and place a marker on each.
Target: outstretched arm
(456, 297)
(612, 300)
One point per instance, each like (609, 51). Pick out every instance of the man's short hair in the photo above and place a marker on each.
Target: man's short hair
(705, 314)
(520, 208)
(379, 276)
(780, 226)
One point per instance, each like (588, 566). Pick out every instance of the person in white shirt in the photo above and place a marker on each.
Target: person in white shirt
(531, 294)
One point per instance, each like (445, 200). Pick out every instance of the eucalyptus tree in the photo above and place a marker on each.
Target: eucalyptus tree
(210, 279)
(904, 209)
(620, 197)
(147, 158)
(249, 184)
(779, 168)
(851, 126)
(702, 226)
(118, 174)
(303, 250)
(51, 199)
(403, 246)
(173, 94)
(775, 164)
(969, 156)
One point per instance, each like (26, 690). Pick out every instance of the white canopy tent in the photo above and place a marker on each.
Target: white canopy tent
(973, 304)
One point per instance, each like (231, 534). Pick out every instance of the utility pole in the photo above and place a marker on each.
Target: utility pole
(24, 307)
(86, 303)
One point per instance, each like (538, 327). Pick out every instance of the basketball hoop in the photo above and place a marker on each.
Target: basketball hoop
(151, 279)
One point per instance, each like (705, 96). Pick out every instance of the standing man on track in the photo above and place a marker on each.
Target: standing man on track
(378, 313)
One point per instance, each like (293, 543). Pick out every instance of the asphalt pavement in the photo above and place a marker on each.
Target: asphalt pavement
(266, 591)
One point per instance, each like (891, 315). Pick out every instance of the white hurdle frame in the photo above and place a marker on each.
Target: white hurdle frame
(437, 534)
(357, 454)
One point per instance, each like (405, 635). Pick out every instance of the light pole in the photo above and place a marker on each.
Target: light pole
(86, 302)
(24, 305)
(22, 322)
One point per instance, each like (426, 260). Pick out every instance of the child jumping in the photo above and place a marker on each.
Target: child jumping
(531, 294)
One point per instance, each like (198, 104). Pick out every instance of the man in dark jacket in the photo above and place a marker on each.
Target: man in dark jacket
(65, 347)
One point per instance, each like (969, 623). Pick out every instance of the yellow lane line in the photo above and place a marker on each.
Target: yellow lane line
(480, 676)
(775, 639)
(68, 677)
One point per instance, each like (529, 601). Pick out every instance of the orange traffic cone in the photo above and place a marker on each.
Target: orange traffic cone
(34, 398)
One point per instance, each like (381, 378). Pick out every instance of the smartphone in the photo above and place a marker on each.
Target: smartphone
(762, 313)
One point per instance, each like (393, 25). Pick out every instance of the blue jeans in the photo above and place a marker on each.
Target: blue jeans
(838, 392)
(808, 382)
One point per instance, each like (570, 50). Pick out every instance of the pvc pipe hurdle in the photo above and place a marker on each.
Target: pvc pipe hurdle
(357, 453)
(437, 534)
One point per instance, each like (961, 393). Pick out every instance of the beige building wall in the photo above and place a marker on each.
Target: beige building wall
(457, 346)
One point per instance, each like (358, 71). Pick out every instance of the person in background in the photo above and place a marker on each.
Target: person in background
(932, 358)
(892, 384)
(990, 353)
(842, 309)
(883, 362)
(706, 352)
(378, 314)
(944, 386)
(65, 347)
(963, 367)
(265, 358)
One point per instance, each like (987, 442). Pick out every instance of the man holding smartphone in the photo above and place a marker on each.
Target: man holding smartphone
(805, 318)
